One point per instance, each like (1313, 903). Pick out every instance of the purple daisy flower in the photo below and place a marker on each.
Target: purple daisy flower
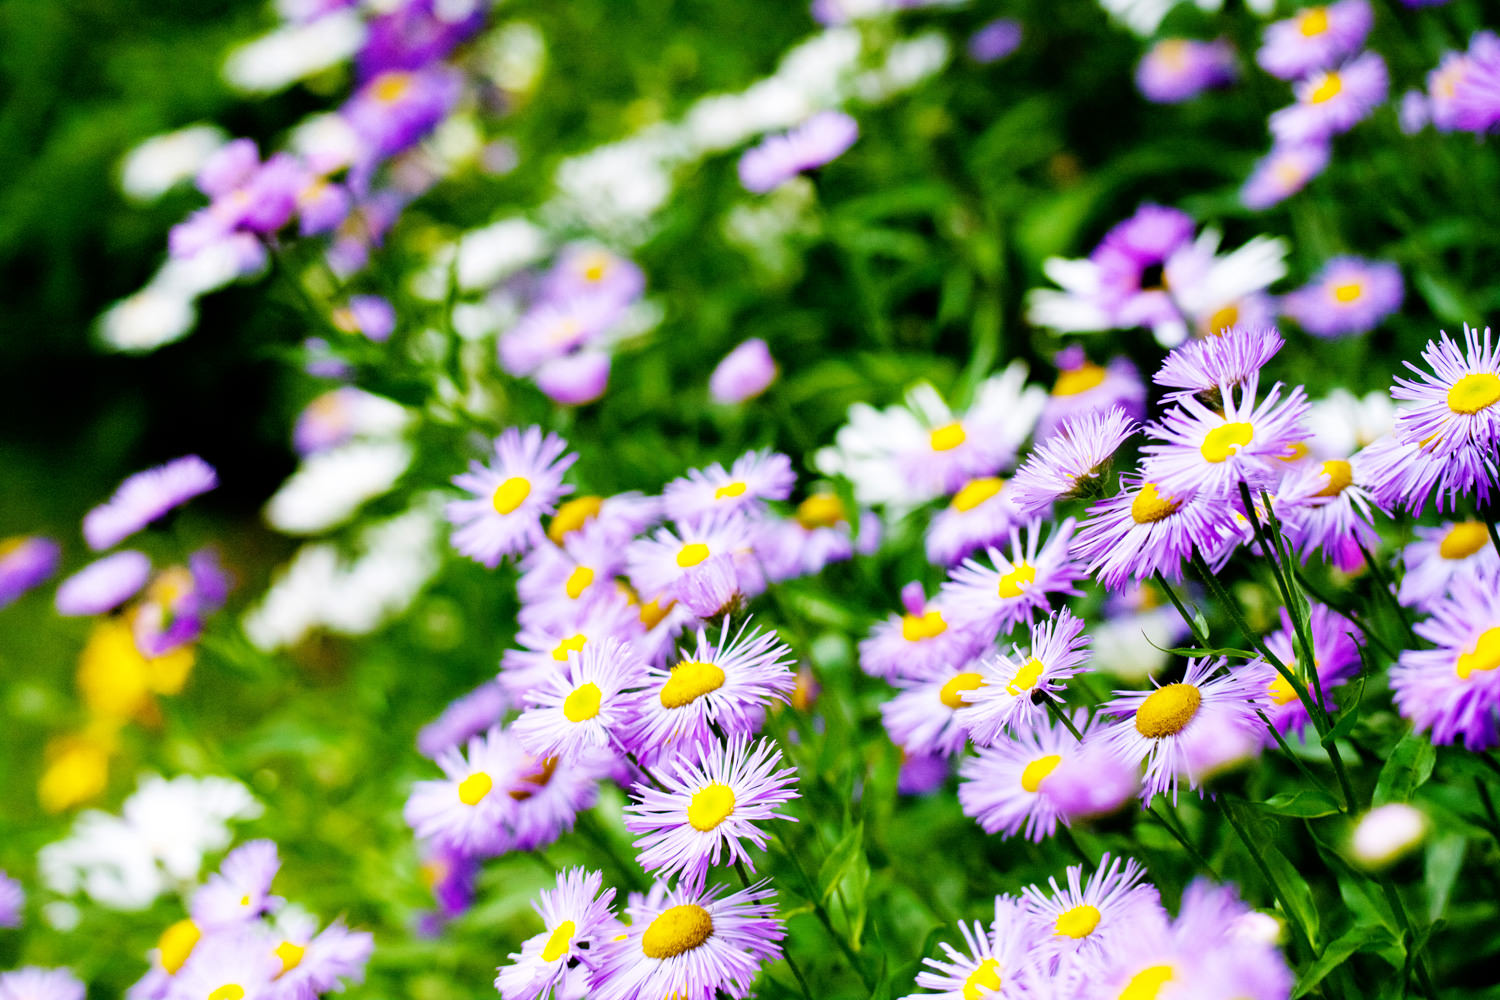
(708, 808)
(818, 534)
(1442, 554)
(1141, 531)
(575, 379)
(368, 315)
(1208, 453)
(35, 983)
(1348, 296)
(103, 584)
(556, 329)
(398, 108)
(1458, 403)
(1453, 690)
(584, 269)
(1071, 462)
(550, 793)
(25, 562)
(567, 582)
(620, 517)
(724, 686)
(340, 415)
(12, 901)
(693, 944)
(177, 604)
(234, 963)
(1200, 367)
(991, 965)
(1006, 786)
(1326, 506)
(995, 40)
(755, 477)
(578, 708)
(1084, 387)
(314, 963)
(820, 140)
(547, 642)
(510, 495)
(146, 496)
(468, 810)
(980, 514)
(1006, 699)
(922, 774)
(240, 891)
(1171, 727)
(1178, 69)
(465, 717)
(743, 373)
(993, 599)
(1333, 101)
(1335, 653)
(922, 719)
(1132, 261)
(1097, 916)
(918, 642)
(660, 565)
(577, 920)
(1474, 98)
(451, 876)
(1403, 474)
(1284, 171)
(1317, 38)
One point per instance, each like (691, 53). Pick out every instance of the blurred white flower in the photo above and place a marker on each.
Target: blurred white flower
(329, 486)
(1342, 423)
(487, 255)
(154, 316)
(294, 52)
(162, 162)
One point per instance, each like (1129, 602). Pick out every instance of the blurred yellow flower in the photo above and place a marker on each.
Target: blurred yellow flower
(77, 770)
(117, 682)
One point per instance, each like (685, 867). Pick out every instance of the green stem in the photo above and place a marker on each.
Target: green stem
(1060, 716)
(1192, 623)
(1386, 587)
(1180, 835)
(1347, 612)
(822, 912)
(1424, 976)
(599, 837)
(1293, 920)
(1494, 534)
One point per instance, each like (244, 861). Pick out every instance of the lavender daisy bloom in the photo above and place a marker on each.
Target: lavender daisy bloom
(992, 600)
(228, 168)
(25, 562)
(12, 901)
(1092, 782)
(1333, 101)
(1177, 69)
(577, 920)
(693, 944)
(744, 373)
(755, 477)
(1348, 296)
(510, 495)
(580, 707)
(416, 33)
(1006, 786)
(1403, 474)
(465, 717)
(1095, 917)
(1168, 728)
(234, 963)
(818, 534)
(1474, 103)
(1071, 462)
(918, 642)
(1084, 387)
(1335, 654)
(1209, 453)
(1284, 171)
(618, 518)
(1414, 112)
(1453, 690)
(1458, 403)
(991, 965)
(820, 140)
(548, 641)
(1142, 531)
(556, 330)
(1318, 37)
(995, 40)
(321, 206)
(468, 809)
(313, 964)
(565, 582)
(451, 876)
(1200, 367)
(177, 604)
(922, 719)
(922, 774)
(724, 686)
(1326, 507)
(240, 891)
(550, 793)
(708, 808)
(1132, 261)
(36, 983)
(368, 315)
(658, 566)
(1443, 81)
(979, 515)
(575, 379)
(584, 269)
(980, 442)
(146, 496)
(340, 415)
(395, 110)
(103, 584)
(1443, 554)
(1006, 699)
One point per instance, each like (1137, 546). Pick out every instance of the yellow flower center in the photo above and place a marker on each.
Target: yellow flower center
(573, 515)
(582, 704)
(983, 980)
(1174, 53)
(578, 581)
(1295, 452)
(678, 930)
(1167, 711)
(473, 789)
(952, 692)
(229, 991)
(1330, 87)
(1226, 440)
(1079, 922)
(1149, 506)
(710, 806)
(389, 88)
(653, 611)
(1281, 692)
(1347, 293)
(821, 510)
(1147, 984)
(1339, 474)
(595, 266)
(345, 320)
(1017, 581)
(976, 492)
(690, 680)
(729, 491)
(176, 944)
(948, 436)
(572, 644)
(11, 545)
(1223, 318)
(535, 781)
(1473, 393)
(511, 494)
(559, 941)
(928, 626)
(1078, 380)
(290, 953)
(1463, 540)
(692, 554)
(1313, 21)
(1032, 775)
(1486, 655)
(1026, 677)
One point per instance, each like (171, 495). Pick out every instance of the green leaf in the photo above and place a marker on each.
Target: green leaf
(841, 859)
(1445, 858)
(1409, 766)
(1292, 888)
(1305, 802)
(1334, 954)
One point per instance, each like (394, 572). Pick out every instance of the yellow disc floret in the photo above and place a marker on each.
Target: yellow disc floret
(1484, 656)
(176, 944)
(1340, 475)
(1147, 984)
(1330, 87)
(1475, 392)
(511, 494)
(1033, 773)
(1463, 540)
(559, 942)
(1225, 441)
(582, 704)
(710, 806)
(1149, 506)
(947, 437)
(1167, 710)
(691, 680)
(692, 554)
(952, 692)
(572, 516)
(915, 628)
(1079, 922)
(976, 492)
(1017, 581)
(1078, 380)
(983, 981)
(473, 789)
(678, 930)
